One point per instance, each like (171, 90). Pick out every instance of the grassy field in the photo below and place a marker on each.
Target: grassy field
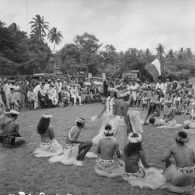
(21, 171)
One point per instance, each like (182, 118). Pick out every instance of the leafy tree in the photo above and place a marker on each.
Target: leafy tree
(87, 43)
(55, 37)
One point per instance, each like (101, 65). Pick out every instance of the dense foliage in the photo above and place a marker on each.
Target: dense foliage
(22, 54)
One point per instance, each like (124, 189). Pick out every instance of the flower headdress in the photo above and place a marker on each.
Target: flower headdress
(80, 120)
(135, 137)
(108, 129)
(47, 116)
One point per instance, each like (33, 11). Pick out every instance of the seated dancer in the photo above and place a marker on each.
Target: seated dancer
(108, 115)
(190, 124)
(137, 171)
(180, 162)
(108, 150)
(9, 130)
(75, 150)
(119, 122)
(49, 145)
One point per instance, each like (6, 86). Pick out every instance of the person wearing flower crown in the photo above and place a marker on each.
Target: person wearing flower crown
(49, 145)
(75, 150)
(108, 115)
(120, 122)
(108, 164)
(9, 130)
(180, 164)
(137, 171)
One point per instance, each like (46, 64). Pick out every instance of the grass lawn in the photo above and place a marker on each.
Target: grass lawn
(21, 171)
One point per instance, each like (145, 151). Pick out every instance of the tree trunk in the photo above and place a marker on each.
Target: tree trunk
(54, 47)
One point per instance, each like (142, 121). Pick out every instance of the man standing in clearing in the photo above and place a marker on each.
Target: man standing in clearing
(120, 122)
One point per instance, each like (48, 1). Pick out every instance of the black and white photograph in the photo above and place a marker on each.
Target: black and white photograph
(97, 97)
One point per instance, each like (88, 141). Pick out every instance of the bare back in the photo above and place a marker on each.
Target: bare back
(108, 146)
(73, 134)
(183, 155)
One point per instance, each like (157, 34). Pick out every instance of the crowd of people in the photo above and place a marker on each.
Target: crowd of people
(118, 144)
(46, 93)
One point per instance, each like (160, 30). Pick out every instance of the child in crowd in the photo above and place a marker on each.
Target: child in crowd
(162, 102)
(144, 101)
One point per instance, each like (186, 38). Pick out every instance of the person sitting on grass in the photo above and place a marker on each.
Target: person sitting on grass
(180, 164)
(108, 164)
(137, 171)
(49, 145)
(9, 130)
(75, 150)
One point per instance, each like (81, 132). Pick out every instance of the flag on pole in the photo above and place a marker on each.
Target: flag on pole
(154, 69)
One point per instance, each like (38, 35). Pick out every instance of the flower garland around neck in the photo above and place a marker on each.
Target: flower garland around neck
(109, 105)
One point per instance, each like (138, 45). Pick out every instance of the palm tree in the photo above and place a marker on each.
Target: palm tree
(55, 36)
(160, 53)
(170, 54)
(39, 26)
(188, 53)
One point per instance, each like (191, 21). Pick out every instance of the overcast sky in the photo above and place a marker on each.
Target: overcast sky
(124, 23)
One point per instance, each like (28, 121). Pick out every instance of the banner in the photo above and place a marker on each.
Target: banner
(154, 69)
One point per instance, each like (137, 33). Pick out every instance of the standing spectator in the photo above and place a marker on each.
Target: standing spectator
(58, 86)
(11, 99)
(105, 88)
(75, 95)
(32, 97)
(52, 95)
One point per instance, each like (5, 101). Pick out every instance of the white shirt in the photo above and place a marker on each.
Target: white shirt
(6, 88)
(52, 93)
(58, 86)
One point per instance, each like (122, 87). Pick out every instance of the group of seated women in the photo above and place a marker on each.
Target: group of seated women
(131, 164)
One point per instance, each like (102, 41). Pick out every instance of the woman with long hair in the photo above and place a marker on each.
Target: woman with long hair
(49, 145)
